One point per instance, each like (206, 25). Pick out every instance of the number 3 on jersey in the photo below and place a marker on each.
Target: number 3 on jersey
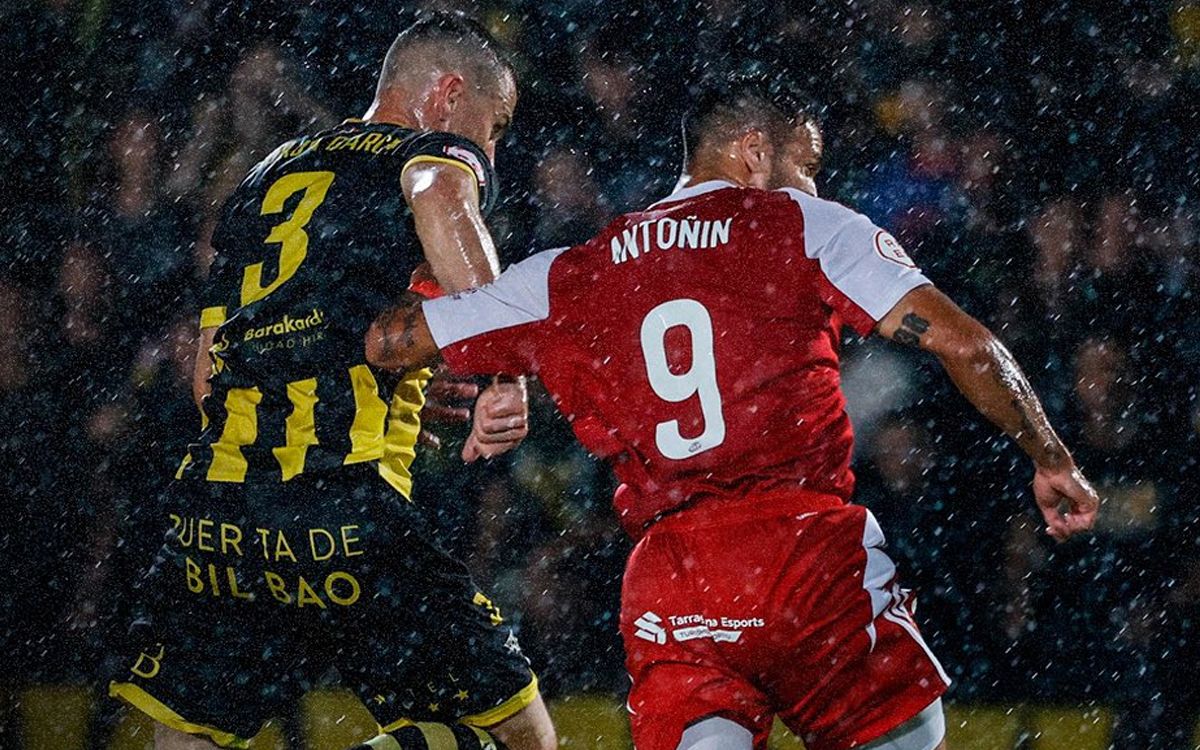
(289, 234)
(700, 379)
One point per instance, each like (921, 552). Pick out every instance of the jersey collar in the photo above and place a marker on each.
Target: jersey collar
(691, 192)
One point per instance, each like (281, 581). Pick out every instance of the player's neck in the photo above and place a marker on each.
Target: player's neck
(382, 113)
(709, 170)
(701, 176)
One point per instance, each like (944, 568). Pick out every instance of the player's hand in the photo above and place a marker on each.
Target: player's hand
(501, 420)
(441, 396)
(1067, 500)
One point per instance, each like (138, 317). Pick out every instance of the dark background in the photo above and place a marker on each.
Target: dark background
(1039, 160)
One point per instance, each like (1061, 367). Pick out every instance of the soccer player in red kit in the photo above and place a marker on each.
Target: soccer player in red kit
(694, 345)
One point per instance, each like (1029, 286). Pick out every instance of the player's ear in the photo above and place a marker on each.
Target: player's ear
(451, 90)
(754, 148)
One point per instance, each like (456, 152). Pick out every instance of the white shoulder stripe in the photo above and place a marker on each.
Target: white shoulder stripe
(518, 296)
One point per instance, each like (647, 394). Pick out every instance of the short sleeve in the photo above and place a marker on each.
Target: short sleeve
(498, 328)
(447, 148)
(865, 270)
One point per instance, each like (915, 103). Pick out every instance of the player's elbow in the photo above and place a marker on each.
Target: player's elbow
(380, 353)
(373, 346)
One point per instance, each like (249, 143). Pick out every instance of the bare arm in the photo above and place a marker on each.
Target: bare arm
(980, 366)
(445, 204)
(985, 372)
(400, 340)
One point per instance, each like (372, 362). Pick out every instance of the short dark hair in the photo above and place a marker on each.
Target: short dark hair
(459, 35)
(722, 106)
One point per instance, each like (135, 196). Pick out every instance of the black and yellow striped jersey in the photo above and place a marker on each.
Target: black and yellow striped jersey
(312, 245)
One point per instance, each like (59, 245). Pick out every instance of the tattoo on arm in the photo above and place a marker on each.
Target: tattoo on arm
(911, 329)
(397, 325)
(1032, 430)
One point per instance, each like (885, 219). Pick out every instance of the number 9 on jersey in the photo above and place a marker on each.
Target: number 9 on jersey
(700, 379)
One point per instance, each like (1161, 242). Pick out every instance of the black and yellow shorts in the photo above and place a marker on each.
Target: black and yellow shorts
(261, 591)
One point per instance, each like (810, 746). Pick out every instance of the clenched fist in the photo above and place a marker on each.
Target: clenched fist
(1067, 500)
(501, 420)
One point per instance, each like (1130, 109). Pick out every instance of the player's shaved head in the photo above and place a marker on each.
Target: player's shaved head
(446, 73)
(445, 42)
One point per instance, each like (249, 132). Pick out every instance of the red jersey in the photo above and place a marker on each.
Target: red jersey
(694, 344)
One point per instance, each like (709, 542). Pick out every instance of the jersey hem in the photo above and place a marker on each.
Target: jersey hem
(505, 710)
(138, 698)
(711, 511)
(911, 709)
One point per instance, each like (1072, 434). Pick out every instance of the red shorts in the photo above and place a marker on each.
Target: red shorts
(777, 606)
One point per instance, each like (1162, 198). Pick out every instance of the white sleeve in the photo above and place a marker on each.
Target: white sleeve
(866, 267)
(510, 307)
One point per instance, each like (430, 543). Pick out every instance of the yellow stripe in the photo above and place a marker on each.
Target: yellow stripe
(505, 710)
(397, 724)
(438, 736)
(241, 428)
(485, 739)
(384, 742)
(160, 712)
(186, 462)
(300, 427)
(211, 317)
(370, 414)
(425, 158)
(403, 429)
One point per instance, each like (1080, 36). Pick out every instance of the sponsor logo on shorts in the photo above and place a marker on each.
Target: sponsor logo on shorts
(716, 629)
(649, 629)
(512, 645)
(683, 628)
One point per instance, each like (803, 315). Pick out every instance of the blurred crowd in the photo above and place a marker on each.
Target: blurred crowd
(1039, 160)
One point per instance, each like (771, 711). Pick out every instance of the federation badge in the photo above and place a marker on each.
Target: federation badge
(889, 249)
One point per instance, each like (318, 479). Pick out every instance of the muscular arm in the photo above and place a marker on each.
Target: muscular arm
(985, 372)
(981, 368)
(445, 204)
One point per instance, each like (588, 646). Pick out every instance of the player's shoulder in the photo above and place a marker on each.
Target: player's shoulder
(817, 210)
(529, 274)
(438, 146)
(719, 195)
(540, 262)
